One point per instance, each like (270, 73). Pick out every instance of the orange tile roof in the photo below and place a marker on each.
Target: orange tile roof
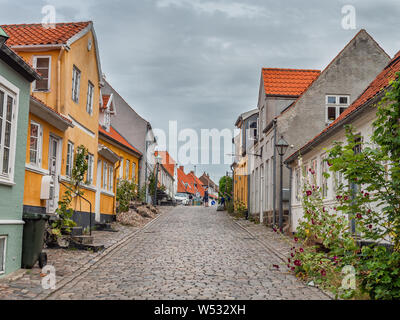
(106, 98)
(36, 34)
(380, 83)
(114, 135)
(167, 162)
(287, 82)
(182, 179)
(199, 185)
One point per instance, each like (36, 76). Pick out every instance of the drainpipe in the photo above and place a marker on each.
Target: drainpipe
(58, 103)
(274, 178)
(290, 194)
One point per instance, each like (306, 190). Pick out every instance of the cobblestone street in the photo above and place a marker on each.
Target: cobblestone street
(189, 253)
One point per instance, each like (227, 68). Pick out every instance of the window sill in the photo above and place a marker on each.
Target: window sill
(36, 169)
(42, 91)
(107, 193)
(6, 182)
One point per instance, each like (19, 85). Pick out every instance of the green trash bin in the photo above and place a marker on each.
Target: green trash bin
(33, 238)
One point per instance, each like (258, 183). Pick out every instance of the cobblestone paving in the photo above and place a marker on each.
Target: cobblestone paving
(189, 253)
(26, 284)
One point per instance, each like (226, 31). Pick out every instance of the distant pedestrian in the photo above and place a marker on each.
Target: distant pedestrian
(190, 200)
(205, 199)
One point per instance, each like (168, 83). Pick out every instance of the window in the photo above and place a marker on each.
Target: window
(324, 181)
(121, 169)
(43, 66)
(298, 184)
(89, 176)
(89, 103)
(70, 159)
(105, 175)
(76, 82)
(133, 170)
(111, 178)
(127, 165)
(7, 133)
(35, 145)
(335, 106)
(3, 247)
(107, 120)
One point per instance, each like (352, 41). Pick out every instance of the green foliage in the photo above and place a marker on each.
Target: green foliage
(370, 198)
(381, 270)
(225, 187)
(125, 194)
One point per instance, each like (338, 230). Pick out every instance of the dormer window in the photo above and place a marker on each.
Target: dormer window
(107, 120)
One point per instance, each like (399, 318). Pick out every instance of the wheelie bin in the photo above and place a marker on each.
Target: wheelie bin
(32, 241)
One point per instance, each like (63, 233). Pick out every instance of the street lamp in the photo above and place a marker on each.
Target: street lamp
(281, 147)
(158, 161)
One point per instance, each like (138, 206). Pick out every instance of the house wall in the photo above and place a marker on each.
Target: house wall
(85, 131)
(362, 125)
(348, 74)
(11, 196)
(130, 124)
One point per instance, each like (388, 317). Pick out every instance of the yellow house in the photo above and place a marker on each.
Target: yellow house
(64, 111)
(240, 189)
(118, 159)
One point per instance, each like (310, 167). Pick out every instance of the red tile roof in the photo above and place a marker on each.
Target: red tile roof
(287, 82)
(167, 162)
(36, 34)
(182, 179)
(106, 98)
(114, 135)
(381, 82)
(199, 185)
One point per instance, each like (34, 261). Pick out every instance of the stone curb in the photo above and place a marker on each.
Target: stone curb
(278, 255)
(96, 259)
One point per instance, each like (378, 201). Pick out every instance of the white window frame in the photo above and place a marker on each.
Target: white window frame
(38, 162)
(3, 263)
(111, 178)
(76, 83)
(89, 175)
(324, 181)
(127, 168)
(121, 169)
(49, 74)
(70, 160)
(133, 171)
(105, 175)
(9, 89)
(336, 105)
(90, 98)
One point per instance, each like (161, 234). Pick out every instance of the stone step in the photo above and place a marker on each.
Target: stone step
(86, 240)
(76, 231)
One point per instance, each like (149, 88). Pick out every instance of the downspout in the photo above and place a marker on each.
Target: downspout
(274, 177)
(58, 103)
(290, 195)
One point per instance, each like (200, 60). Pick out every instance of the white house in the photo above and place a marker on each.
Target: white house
(360, 115)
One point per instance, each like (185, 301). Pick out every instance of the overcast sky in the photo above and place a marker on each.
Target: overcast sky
(199, 62)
